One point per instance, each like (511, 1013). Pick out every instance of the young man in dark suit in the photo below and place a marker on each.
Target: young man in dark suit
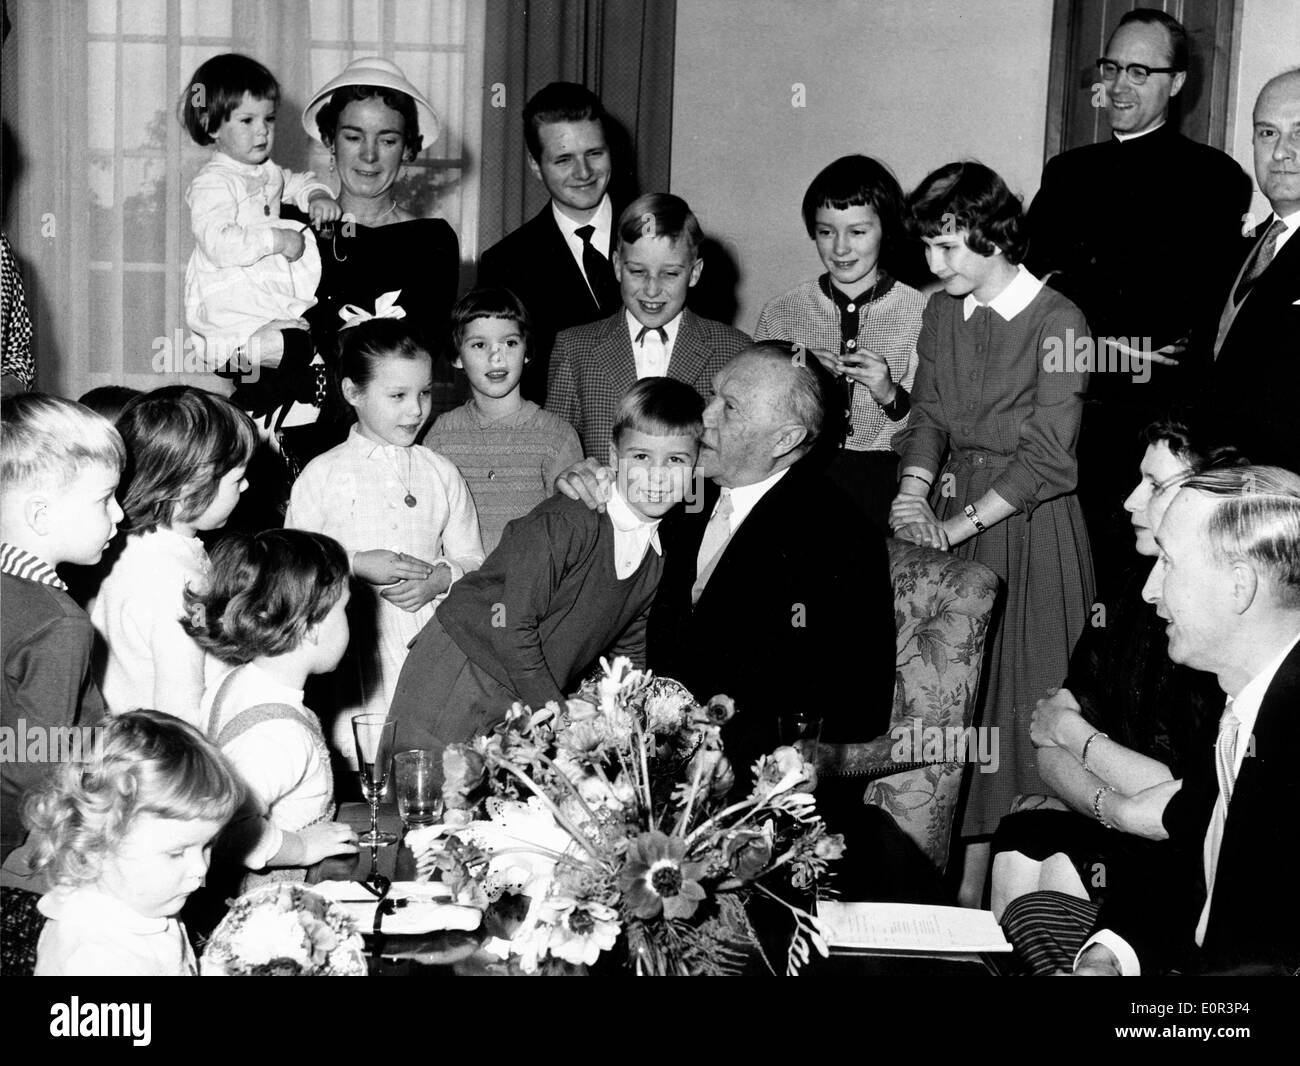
(558, 263)
(1222, 897)
(1255, 383)
(657, 261)
(1140, 231)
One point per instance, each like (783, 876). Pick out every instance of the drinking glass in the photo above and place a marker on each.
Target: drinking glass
(416, 781)
(803, 733)
(374, 736)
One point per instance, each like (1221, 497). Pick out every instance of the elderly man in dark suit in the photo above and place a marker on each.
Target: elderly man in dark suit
(558, 263)
(1140, 231)
(776, 591)
(1222, 897)
(1255, 384)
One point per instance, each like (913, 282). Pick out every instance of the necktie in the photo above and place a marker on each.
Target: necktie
(651, 352)
(716, 535)
(600, 274)
(1225, 760)
(1267, 250)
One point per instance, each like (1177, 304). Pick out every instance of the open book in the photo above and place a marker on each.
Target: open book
(910, 928)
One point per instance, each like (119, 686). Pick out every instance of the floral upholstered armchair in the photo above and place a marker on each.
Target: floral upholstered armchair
(942, 608)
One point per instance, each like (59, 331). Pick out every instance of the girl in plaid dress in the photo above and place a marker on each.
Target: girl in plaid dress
(989, 467)
(403, 513)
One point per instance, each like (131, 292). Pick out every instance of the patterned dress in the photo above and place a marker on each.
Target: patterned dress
(991, 410)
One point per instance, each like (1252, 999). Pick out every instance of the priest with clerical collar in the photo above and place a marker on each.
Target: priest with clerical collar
(1141, 231)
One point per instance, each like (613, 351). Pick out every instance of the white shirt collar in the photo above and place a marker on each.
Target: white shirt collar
(602, 220)
(745, 498)
(632, 534)
(1246, 704)
(1292, 224)
(368, 447)
(1011, 300)
(670, 329)
(1135, 136)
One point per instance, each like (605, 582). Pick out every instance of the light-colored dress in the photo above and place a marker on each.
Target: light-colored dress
(91, 934)
(142, 594)
(989, 396)
(276, 746)
(235, 283)
(356, 494)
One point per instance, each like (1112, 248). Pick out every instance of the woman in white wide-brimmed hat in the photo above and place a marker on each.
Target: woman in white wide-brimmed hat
(373, 121)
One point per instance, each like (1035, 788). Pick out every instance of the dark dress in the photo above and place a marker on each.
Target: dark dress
(1127, 687)
(986, 396)
(421, 258)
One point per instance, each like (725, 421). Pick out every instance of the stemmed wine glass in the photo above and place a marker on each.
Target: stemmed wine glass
(374, 737)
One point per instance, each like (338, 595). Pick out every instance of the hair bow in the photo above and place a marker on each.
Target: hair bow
(385, 307)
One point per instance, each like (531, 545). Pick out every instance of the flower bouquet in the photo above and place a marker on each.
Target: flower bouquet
(284, 930)
(603, 831)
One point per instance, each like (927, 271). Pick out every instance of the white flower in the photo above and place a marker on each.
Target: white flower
(271, 934)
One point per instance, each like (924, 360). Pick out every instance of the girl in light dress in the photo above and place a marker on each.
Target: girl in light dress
(187, 452)
(275, 611)
(249, 272)
(403, 513)
(125, 835)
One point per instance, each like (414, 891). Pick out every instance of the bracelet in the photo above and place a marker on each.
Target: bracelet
(974, 516)
(1083, 759)
(1096, 806)
(928, 483)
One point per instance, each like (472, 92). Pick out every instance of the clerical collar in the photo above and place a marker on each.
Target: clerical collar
(1122, 137)
(842, 300)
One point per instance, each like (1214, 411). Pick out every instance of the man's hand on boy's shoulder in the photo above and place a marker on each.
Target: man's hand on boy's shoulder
(587, 481)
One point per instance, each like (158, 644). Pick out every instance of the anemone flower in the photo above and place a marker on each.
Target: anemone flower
(656, 878)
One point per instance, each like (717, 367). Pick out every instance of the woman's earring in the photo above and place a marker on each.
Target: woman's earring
(331, 162)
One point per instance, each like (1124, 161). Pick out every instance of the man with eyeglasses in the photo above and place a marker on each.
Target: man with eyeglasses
(1141, 231)
(1255, 384)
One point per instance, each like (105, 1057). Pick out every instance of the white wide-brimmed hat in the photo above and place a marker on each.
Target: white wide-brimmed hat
(383, 74)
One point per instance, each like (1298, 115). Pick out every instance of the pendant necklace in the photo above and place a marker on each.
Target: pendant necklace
(409, 499)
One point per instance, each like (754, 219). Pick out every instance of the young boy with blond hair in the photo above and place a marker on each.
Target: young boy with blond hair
(657, 262)
(59, 466)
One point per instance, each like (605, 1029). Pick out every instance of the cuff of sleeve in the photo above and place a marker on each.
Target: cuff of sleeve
(308, 191)
(1119, 947)
(1016, 494)
(457, 572)
(268, 846)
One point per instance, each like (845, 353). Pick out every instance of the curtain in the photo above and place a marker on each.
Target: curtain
(622, 50)
(96, 163)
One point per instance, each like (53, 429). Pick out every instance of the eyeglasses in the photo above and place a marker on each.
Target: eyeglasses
(1137, 72)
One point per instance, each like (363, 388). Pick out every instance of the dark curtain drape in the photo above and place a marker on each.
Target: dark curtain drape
(620, 49)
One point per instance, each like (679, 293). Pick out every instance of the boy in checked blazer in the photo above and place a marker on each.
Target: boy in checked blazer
(657, 261)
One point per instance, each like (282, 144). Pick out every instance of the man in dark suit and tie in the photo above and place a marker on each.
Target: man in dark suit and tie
(1255, 383)
(1222, 897)
(776, 591)
(1140, 231)
(558, 263)
(657, 261)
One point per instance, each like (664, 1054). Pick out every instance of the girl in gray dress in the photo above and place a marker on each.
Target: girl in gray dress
(989, 467)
